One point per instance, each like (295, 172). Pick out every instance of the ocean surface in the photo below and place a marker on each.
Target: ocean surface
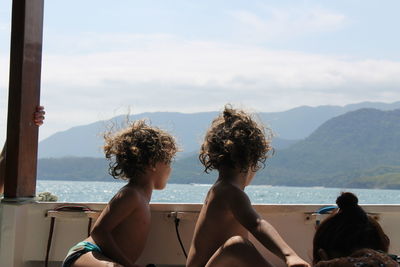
(68, 191)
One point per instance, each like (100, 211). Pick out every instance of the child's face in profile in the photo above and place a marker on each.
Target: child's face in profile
(162, 172)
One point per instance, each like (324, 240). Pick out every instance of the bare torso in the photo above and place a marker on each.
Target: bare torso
(226, 213)
(130, 232)
(215, 225)
(132, 242)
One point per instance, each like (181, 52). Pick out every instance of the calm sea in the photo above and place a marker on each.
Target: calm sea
(68, 191)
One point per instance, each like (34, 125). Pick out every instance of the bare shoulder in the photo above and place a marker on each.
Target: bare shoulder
(229, 191)
(227, 194)
(129, 192)
(126, 195)
(125, 202)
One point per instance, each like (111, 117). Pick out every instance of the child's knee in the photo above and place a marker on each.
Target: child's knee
(237, 244)
(237, 240)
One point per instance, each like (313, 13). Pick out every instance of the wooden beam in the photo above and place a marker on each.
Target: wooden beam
(24, 97)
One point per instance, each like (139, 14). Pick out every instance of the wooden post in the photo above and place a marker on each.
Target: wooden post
(24, 97)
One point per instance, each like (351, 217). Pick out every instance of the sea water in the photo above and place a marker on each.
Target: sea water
(71, 191)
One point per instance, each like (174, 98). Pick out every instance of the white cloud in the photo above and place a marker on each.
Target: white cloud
(271, 22)
(151, 73)
(205, 64)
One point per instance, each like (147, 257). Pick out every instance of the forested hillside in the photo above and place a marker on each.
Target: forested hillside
(358, 149)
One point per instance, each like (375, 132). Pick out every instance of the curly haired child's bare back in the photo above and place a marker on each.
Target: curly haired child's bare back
(142, 155)
(236, 146)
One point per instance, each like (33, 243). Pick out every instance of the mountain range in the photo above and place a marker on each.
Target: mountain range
(341, 152)
(360, 148)
(288, 127)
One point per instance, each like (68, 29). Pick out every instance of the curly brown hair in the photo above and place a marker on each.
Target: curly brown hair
(137, 147)
(235, 139)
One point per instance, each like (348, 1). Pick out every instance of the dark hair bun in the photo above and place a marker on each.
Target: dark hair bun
(228, 113)
(347, 200)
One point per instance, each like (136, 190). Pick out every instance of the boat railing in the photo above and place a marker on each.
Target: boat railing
(25, 230)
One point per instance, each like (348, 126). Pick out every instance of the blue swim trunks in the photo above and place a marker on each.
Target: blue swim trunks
(78, 250)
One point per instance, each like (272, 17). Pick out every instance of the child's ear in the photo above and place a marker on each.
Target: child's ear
(151, 167)
(323, 255)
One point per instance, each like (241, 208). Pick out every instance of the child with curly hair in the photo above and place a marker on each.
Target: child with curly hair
(236, 147)
(142, 155)
(349, 237)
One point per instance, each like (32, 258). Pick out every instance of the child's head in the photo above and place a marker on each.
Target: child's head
(234, 140)
(138, 148)
(348, 230)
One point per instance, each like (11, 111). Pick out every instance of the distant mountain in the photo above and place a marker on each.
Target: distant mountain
(289, 126)
(300, 122)
(342, 150)
(382, 177)
(87, 140)
(186, 170)
(74, 168)
(357, 149)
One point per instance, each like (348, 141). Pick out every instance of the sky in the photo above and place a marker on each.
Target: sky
(104, 58)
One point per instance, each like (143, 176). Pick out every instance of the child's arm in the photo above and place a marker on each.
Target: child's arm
(262, 230)
(117, 210)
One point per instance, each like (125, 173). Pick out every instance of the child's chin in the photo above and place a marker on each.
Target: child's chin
(160, 187)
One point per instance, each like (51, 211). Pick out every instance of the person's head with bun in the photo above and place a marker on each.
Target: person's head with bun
(235, 140)
(347, 230)
(138, 148)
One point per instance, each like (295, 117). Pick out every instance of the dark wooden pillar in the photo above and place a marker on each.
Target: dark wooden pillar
(24, 97)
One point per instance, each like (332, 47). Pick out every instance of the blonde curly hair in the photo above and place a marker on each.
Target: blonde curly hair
(235, 139)
(137, 147)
